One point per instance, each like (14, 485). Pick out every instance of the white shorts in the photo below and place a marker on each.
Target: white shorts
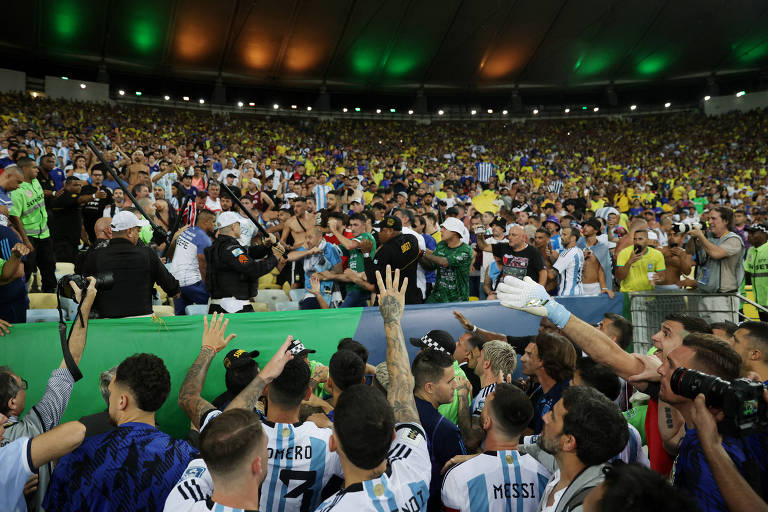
(591, 289)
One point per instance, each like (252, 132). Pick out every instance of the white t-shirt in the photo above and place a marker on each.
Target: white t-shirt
(570, 266)
(247, 228)
(405, 484)
(550, 487)
(488, 256)
(185, 266)
(495, 482)
(15, 469)
(214, 206)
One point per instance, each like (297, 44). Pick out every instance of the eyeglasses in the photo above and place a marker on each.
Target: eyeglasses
(24, 384)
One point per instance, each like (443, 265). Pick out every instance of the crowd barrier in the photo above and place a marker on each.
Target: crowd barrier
(648, 310)
(33, 350)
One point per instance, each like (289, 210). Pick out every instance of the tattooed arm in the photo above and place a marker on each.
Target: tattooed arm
(471, 430)
(190, 400)
(391, 306)
(671, 427)
(248, 397)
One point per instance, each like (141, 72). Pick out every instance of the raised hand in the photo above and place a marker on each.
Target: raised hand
(466, 324)
(275, 365)
(391, 300)
(530, 297)
(213, 334)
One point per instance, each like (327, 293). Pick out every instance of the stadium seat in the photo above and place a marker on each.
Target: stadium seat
(273, 297)
(162, 297)
(163, 310)
(268, 282)
(196, 309)
(297, 294)
(42, 315)
(259, 307)
(42, 301)
(64, 268)
(286, 306)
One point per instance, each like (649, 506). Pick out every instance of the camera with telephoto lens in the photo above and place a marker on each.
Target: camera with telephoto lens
(104, 281)
(740, 400)
(685, 227)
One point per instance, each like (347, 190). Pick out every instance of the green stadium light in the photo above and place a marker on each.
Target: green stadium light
(392, 110)
(740, 94)
(357, 109)
(583, 108)
(138, 93)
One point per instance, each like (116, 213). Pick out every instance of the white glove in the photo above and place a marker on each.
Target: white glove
(529, 296)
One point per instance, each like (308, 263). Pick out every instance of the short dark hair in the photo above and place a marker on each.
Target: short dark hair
(359, 216)
(729, 327)
(429, 366)
(757, 332)
(202, 214)
(599, 377)
(476, 341)
(346, 369)
(379, 206)
(635, 488)
(622, 329)
(9, 388)
(236, 379)
(355, 346)
(230, 439)
(408, 213)
(726, 214)
(363, 422)
(600, 430)
(544, 231)
(290, 387)
(146, 376)
(557, 354)
(511, 409)
(714, 355)
(690, 323)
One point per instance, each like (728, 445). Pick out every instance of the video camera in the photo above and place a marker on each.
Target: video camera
(685, 227)
(741, 400)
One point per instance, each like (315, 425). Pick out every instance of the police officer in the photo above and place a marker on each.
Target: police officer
(396, 249)
(233, 271)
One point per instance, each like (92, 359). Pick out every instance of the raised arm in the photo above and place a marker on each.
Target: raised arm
(391, 306)
(248, 397)
(190, 401)
(79, 332)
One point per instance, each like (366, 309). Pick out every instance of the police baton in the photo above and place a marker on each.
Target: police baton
(159, 235)
(248, 214)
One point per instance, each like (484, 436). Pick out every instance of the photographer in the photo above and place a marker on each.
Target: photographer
(720, 264)
(135, 270)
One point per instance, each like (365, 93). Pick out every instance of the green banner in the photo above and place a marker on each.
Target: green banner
(34, 350)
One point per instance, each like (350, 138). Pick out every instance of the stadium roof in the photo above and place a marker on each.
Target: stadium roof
(395, 45)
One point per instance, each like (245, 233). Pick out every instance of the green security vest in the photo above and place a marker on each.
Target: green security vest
(29, 206)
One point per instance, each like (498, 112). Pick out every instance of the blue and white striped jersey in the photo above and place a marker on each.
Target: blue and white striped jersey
(570, 265)
(320, 192)
(403, 487)
(495, 482)
(299, 466)
(479, 401)
(484, 171)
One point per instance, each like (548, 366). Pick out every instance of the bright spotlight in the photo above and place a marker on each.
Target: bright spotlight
(344, 109)
(490, 111)
(378, 111)
(473, 112)
(82, 86)
(505, 112)
(567, 110)
(392, 110)
(251, 104)
(707, 98)
(740, 94)
(440, 112)
(121, 92)
(633, 107)
(667, 105)
(166, 97)
(309, 109)
(275, 106)
(535, 111)
(185, 98)
(596, 109)
(201, 101)
(357, 109)
(240, 104)
(138, 93)
(294, 107)
(410, 112)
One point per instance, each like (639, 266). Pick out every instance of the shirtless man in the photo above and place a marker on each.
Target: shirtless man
(136, 167)
(595, 280)
(678, 263)
(541, 242)
(298, 225)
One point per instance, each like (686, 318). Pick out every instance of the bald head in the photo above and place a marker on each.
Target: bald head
(103, 229)
(517, 237)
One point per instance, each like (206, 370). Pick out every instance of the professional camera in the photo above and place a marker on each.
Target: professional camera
(741, 400)
(685, 227)
(104, 281)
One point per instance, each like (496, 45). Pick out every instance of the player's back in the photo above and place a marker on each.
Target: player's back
(299, 465)
(494, 482)
(404, 486)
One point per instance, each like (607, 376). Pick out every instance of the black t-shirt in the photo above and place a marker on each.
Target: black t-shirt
(65, 220)
(526, 262)
(95, 207)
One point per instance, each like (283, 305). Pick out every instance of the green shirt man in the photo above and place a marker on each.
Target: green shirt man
(451, 410)
(452, 283)
(356, 258)
(29, 206)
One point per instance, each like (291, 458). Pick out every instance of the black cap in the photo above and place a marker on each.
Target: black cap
(239, 358)
(391, 222)
(594, 223)
(436, 340)
(70, 179)
(298, 349)
(452, 211)
(499, 221)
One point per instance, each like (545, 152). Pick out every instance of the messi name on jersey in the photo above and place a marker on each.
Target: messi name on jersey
(505, 491)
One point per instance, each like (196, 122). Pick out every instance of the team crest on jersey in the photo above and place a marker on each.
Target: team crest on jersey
(237, 252)
(193, 472)
(242, 259)
(510, 459)
(413, 434)
(286, 432)
(378, 489)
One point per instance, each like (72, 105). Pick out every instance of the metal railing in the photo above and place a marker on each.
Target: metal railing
(649, 309)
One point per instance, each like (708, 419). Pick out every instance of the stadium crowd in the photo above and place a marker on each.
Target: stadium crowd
(386, 213)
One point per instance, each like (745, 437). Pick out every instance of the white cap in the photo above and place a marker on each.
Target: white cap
(227, 219)
(127, 220)
(455, 225)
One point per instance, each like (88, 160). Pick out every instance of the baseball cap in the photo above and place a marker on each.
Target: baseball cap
(70, 179)
(499, 221)
(227, 219)
(239, 358)
(436, 339)
(391, 222)
(455, 225)
(404, 194)
(595, 224)
(126, 220)
(298, 349)
(758, 227)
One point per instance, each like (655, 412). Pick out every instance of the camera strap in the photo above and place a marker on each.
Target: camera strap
(74, 371)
